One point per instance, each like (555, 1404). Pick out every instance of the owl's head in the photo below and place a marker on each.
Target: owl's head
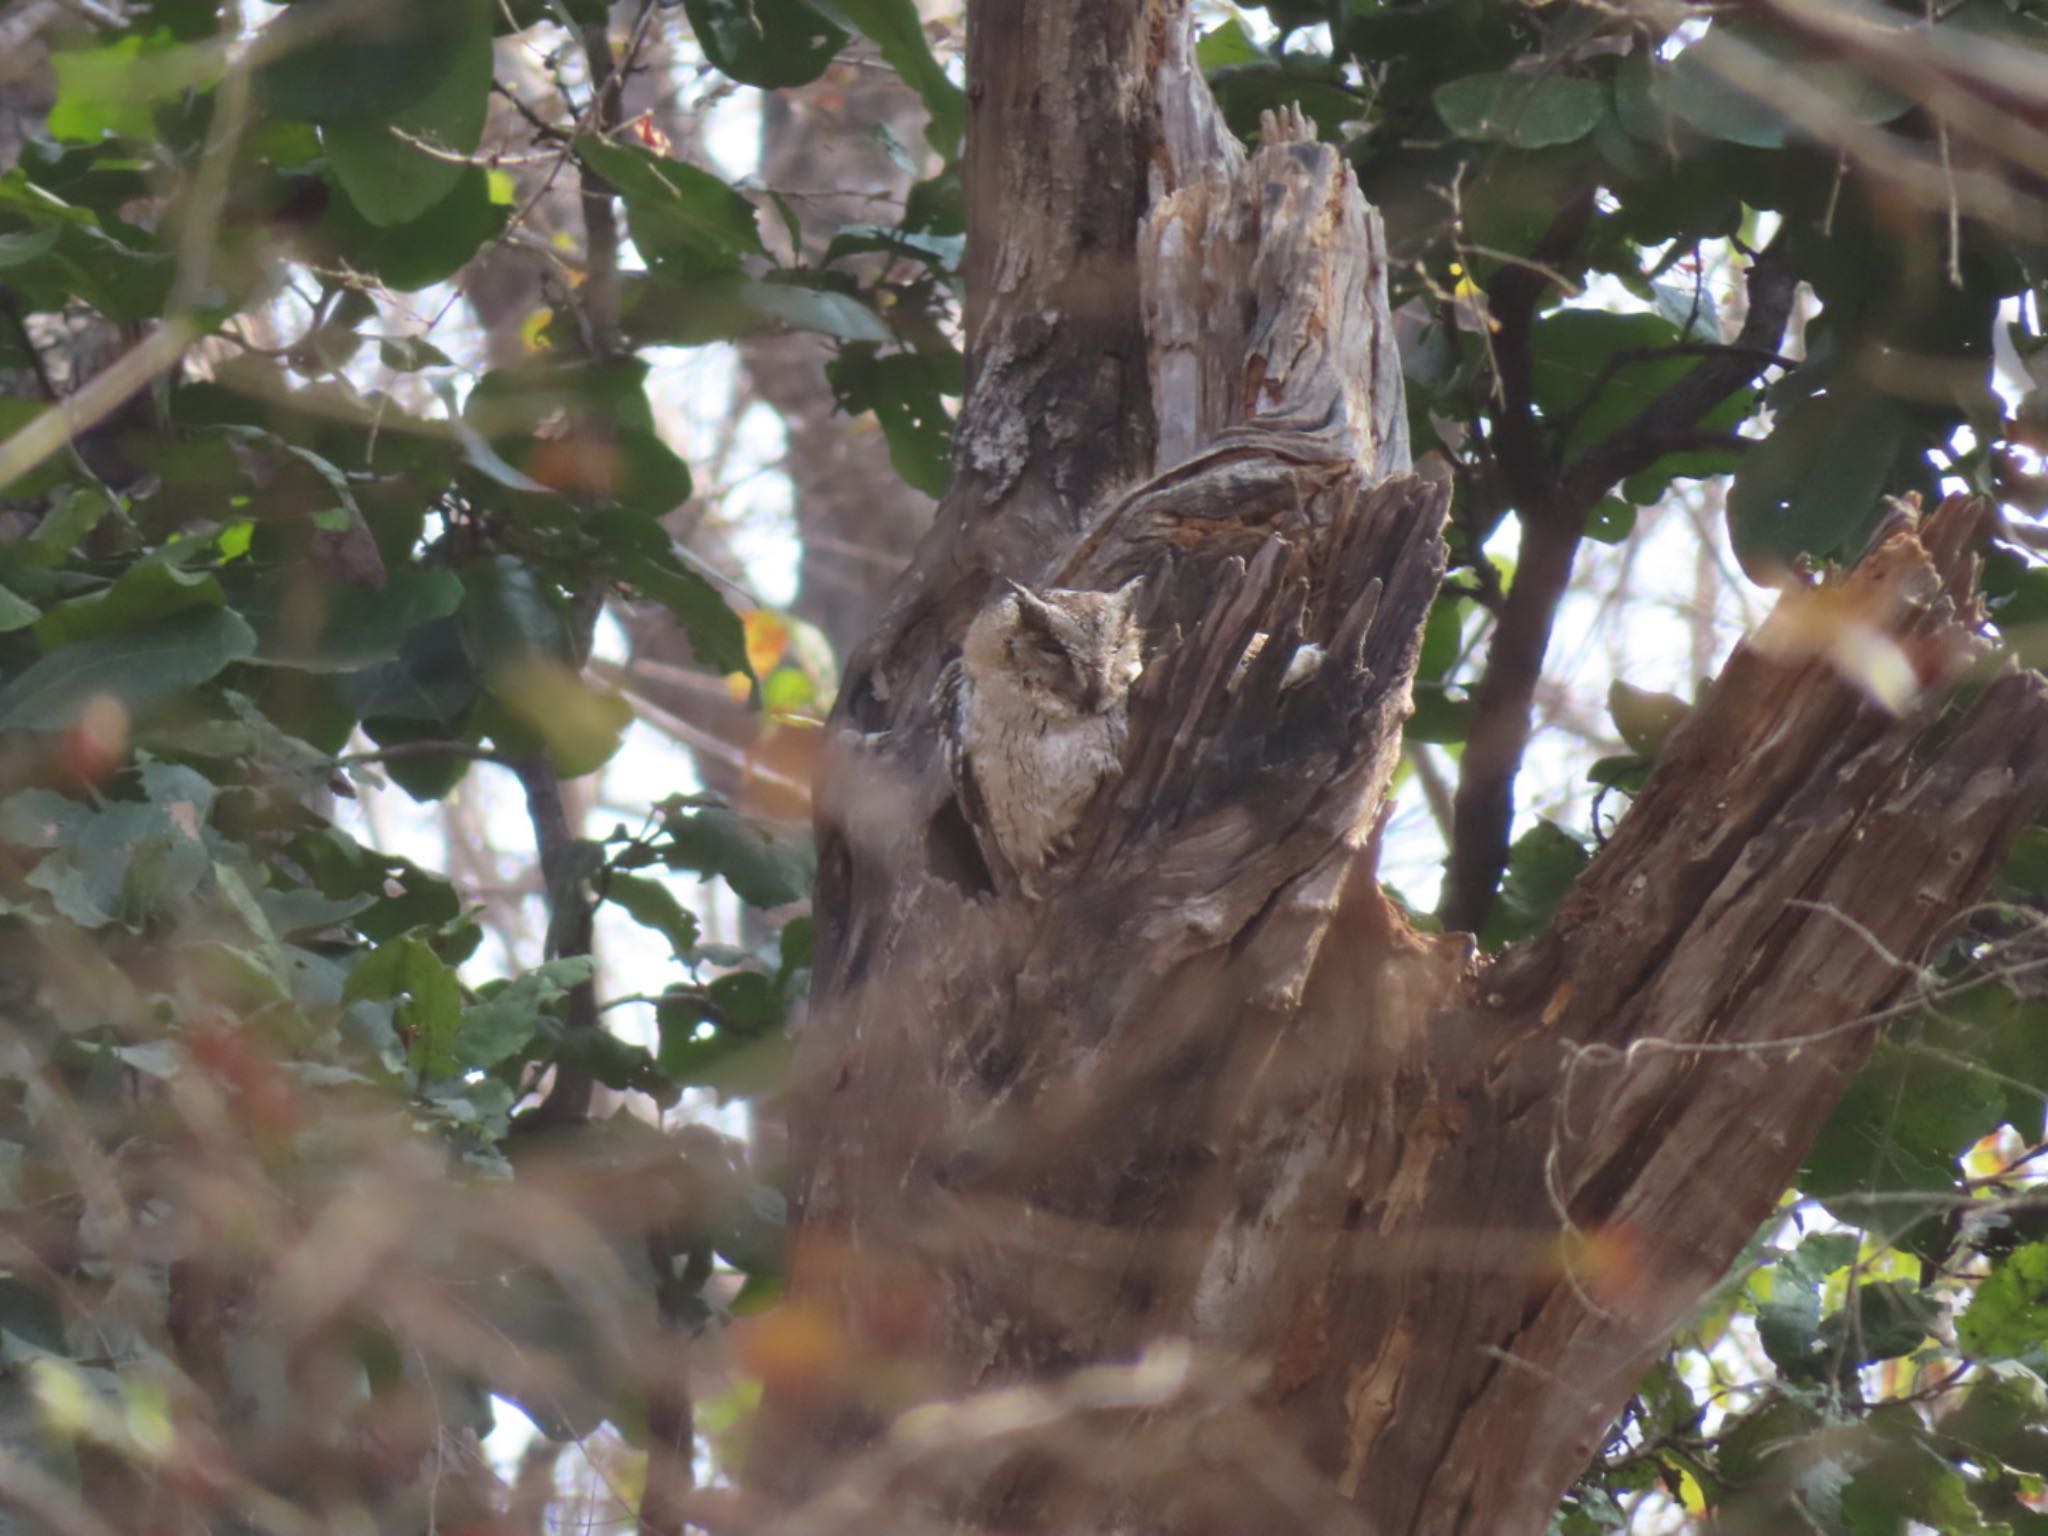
(1078, 651)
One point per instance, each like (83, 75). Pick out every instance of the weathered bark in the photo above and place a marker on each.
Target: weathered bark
(1418, 1221)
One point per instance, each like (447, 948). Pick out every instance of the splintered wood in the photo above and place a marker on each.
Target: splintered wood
(1410, 1224)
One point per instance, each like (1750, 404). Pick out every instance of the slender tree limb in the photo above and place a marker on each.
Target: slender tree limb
(667, 1498)
(571, 912)
(1678, 409)
(1511, 303)
(1552, 502)
(598, 299)
(1483, 809)
(570, 922)
(1503, 708)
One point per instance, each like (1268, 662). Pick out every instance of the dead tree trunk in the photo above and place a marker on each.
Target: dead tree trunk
(1393, 1231)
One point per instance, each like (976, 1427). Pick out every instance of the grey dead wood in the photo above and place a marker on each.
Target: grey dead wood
(1391, 1233)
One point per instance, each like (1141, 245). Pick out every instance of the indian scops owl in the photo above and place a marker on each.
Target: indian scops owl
(1034, 714)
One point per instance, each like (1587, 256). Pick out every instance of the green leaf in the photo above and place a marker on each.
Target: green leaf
(802, 308)
(796, 943)
(577, 723)
(63, 527)
(431, 1012)
(2026, 867)
(707, 836)
(1908, 1486)
(1612, 521)
(748, 1000)
(1813, 486)
(1710, 85)
(1589, 382)
(15, 416)
(500, 1026)
(1819, 1255)
(1542, 865)
(896, 28)
(145, 593)
(2001, 1417)
(1886, 1320)
(292, 913)
(114, 89)
(1788, 1327)
(787, 690)
(1644, 718)
(344, 628)
(701, 1043)
(1443, 637)
(657, 311)
(15, 612)
(686, 222)
(510, 616)
(422, 251)
(21, 248)
(1623, 771)
(432, 683)
(138, 667)
(133, 858)
(1699, 94)
(1527, 111)
(409, 354)
(717, 638)
(769, 43)
(1227, 44)
(576, 430)
(1899, 1129)
(331, 60)
(941, 253)
(1440, 714)
(647, 901)
(2008, 1033)
(905, 390)
(1636, 83)
(392, 181)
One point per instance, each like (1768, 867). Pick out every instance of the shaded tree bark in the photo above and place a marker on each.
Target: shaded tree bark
(1391, 1230)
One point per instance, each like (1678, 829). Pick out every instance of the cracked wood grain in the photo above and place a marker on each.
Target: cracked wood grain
(1212, 1091)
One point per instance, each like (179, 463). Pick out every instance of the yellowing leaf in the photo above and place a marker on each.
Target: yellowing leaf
(1644, 718)
(767, 639)
(581, 725)
(1690, 1494)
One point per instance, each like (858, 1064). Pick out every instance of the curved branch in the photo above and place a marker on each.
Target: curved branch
(1677, 410)
(1483, 809)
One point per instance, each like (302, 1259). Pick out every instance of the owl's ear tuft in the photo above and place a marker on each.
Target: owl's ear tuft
(1033, 611)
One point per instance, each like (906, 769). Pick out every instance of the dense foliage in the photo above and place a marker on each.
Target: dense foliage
(288, 1194)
